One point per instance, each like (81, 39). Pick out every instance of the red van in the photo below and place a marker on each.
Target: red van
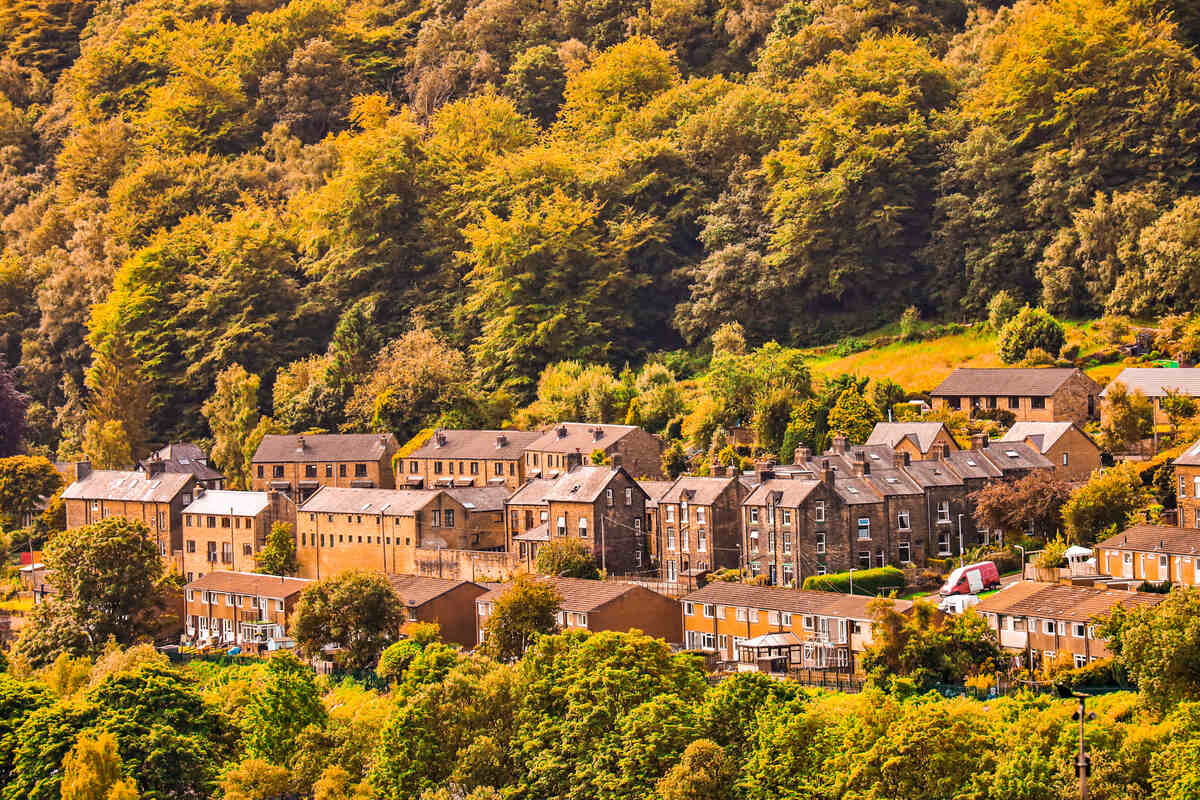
(972, 579)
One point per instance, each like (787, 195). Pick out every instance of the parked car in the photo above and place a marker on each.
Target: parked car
(972, 579)
(957, 603)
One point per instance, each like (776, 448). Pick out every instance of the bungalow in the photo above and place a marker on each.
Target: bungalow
(1153, 553)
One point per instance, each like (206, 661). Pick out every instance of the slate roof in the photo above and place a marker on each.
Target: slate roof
(238, 504)
(389, 502)
(416, 590)
(792, 601)
(1062, 601)
(579, 437)
(475, 444)
(578, 594)
(654, 491)
(1042, 435)
(533, 493)
(250, 583)
(103, 484)
(183, 457)
(892, 433)
(480, 498)
(1156, 539)
(1190, 457)
(582, 484)
(792, 492)
(1155, 381)
(696, 490)
(1014, 381)
(287, 448)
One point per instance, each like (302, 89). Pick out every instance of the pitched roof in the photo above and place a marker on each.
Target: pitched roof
(1156, 539)
(389, 502)
(1013, 455)
(578, 594)
(792, 601)
(478, 444)
(892, 433)
(237, 504)
(103, 484)
(416, 590)
(1190, 457)
(696, 489)
(570, 437)
(583, 484)
(250, 583)
(1041, 435)
(791, 492)
(654, 491)
(1155, 381)
(976, 464)
(290, 448)
(182, 457)
(1061, 601)
(480, 498)
(1035, 382)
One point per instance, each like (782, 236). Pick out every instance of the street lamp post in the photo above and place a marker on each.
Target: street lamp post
(1083, 762)
(960, 541)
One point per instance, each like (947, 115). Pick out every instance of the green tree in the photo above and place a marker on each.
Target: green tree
(525, 610)
(1105, 505)
(356, 611)
(1158, 646)
(13, 405)
(286, 704)
(1001, 309)
(232, 414)
(887, 393)
(1032, 503)
(1030, 329)
(24, 483)
(927, 647)
(854, 416)
(1178, 407)
(18, 699)
(106, 444)
(120, 392)
(674, 460)
(278, 557)
(703, 773)
(1130, 417)
(92, 771)
(567, 558)
(254, 779)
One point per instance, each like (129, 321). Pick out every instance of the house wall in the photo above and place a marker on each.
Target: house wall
(723, 533)
(1022, 634)
(454, 612)
(639, 608)
(327, 473)
(1187, 480)
(1149, 566)
(639, 452)
(479, 470)
(1082, 455)
(197, 605)
(1077, 400)
(165, 520)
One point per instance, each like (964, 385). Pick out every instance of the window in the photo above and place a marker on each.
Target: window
(754, 515)
(1080, 660)
(753, 541)
(583, 534)
(772, 617)
(247, 549)
(608, 497)
(820, 541)
(670, 537)
(449, 518)
(224, 522)
(739, 614)
(753, 614)
(412, 468)
(701, 515)
(954, 403)
(562, 525)
(787, 619)
(787, 542)
(1048, 626)
(342, 470)
(992, 402)
(1014, 402)
(943, 511)
(1196, 486)
(710, 610)
(807, 623)
(437, 518)
(684, 544)
(943, 544)
(628, 495)
(904, 552)
(880, 558)
(670, 513)
(637, 525)
(819, 511)
(191, 545)
(864, 559)
(864, 528)
(212, 551)
(474, 467)
(1162, 564)
(1079, 630)
(260, 470)
(672, 573)
(161, 519)
(499, 469)
(904, 521)
(1065, 459)
(437, 468)
(277, 471)
(1037, 402)
(701, 540)
(310, 470)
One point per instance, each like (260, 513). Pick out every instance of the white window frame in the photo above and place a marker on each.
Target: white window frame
(819, 511)
(943, 512)
(1049, 627)
(689, 609)
(864, 528)
(821, 542)
(904, 521)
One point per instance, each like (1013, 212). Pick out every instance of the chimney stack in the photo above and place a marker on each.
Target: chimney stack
(439, 439)
(802, 455)
(899, 459)
(732, 471)
(827, 473)
(155, 467)
(501, 441)
(82, 469)
(562, 431)
(616, 460)
(597, 433)
(979, 441)
(841, 443)
(300, 443)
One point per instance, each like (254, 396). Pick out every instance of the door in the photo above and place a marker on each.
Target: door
(1127, 565)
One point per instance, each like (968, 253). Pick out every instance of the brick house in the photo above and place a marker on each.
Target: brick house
(1040, 621)
(699, 526)
(921, 440)
(654, 490)
(1043, 394)
(569, 443)
(375, 529)
(808, 630)
(155, 497)
(601, 606)
(240, 608)
(1153, 553)
(448, 603)
(485, 515)
(469, 458)
(186, 458)
(299, 465)
(1154, 383)
(225, 530)
(602, 506)
(1187, 477)
(1074, 454)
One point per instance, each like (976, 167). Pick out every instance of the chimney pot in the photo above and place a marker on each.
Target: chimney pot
(841, 443)
(299, 442)
(731, 471)
(501, 441)
(597, 434)
(979, 441)
(562, 431)
(82, 469)
(802, 455)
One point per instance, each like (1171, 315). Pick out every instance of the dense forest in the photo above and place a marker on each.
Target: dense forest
(330, 193)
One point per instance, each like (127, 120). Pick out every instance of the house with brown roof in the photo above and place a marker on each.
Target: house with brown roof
(227, 529)
(484, 507)
(921, 440)
(468, 458)
(450, 604)
(572, 443)
(772, 629)
(186, 458)
(602, 506)
(1042, 394)
(699, 527)
(1074, 454)
(1187, 477)
(225, 608)
(1040, 621)
(601, 606)
(298, 465)
(654, 490)
(155, 498)
(1155, 383)
(1154, 553)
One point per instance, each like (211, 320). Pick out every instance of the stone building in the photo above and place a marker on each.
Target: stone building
(1042, 394)
(698, 527)
(226, 530)
(921, 440)
(468, 458)
(186, 458)
(1074, 454)
(568, 443)
(298, 465)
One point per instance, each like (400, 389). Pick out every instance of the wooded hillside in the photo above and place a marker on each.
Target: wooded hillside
(299, 187)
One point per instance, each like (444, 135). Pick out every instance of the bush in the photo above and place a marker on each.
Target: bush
(849, 346)
(1030, 329)
(1097, 673)
(1001, 308)
(1003, 416)
(1053, 556)
(910, 323)
(866, 581)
